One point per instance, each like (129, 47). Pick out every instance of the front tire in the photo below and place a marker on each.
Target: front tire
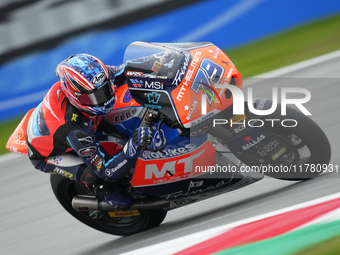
(65, 189)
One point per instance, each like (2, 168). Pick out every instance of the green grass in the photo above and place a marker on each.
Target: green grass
(328, 247)
(279, 50)
(304, 42)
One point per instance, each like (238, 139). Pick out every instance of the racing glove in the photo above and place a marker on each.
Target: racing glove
(143, 138)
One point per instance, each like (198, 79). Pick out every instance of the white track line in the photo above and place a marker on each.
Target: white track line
(179, 244)
(300, 65)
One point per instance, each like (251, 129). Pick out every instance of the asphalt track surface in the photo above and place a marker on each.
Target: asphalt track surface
(33, 222)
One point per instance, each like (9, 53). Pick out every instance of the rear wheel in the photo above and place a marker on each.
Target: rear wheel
(65, 189)
(308, 150)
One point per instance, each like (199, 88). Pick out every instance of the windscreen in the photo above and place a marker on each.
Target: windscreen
(172, 78)
(153, 61)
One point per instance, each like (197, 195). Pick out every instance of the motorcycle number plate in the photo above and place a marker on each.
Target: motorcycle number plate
(124, 214)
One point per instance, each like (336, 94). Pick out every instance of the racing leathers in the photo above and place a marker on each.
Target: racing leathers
(56, 127)
(58, 134)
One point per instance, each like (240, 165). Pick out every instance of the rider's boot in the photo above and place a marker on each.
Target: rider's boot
(118, 197)
(113, 193)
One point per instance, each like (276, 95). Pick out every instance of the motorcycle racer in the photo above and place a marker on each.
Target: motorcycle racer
(66, 121)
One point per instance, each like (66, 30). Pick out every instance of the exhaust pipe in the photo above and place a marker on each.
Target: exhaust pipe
(90, 203)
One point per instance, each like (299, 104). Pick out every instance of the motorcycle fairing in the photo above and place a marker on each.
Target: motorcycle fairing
(176, 85)
(164, 170)
(259, 143)
(189, 187)
(17, 141)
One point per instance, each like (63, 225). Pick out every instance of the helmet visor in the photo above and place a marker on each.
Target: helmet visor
(98, 97)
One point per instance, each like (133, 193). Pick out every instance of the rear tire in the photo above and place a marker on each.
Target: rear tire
(308, 139)
(65, 189)
(308, 149)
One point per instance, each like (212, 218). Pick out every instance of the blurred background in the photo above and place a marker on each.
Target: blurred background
(258, 36)
(36, 35)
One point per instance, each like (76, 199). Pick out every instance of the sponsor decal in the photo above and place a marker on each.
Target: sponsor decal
(279, 153)
(247, 138)
(54, 160)
(195, 184)
(153, 85)
(216, 52)
(134, 73)
(199, 132)
(153, 107)
(201, 119)
(132, 150)
(127, 97)
(220, 93)
(173, 152)
(94, 159)
(181, 72)
(110, 101)
(84, 139)
(229, 75)
(237, 118)
(137, 83)
(85, 152)
(20, 142)
(189, 75)
(153, 97)
(169, 167)
(156, 140)
(99, 166)
(239, 128)
(252, 142)
(149, 75)
(191, 110)
(61, 172)
(124, 213)
(193, 192)
(157, 66)
(97, 162)
(15, 150)
(268, 148)
(74, 117)
(98, 78)
(110, 172)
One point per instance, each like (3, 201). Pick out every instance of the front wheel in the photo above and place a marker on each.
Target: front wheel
(65, 189)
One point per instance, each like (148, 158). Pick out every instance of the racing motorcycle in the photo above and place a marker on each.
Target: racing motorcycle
(176, 89)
